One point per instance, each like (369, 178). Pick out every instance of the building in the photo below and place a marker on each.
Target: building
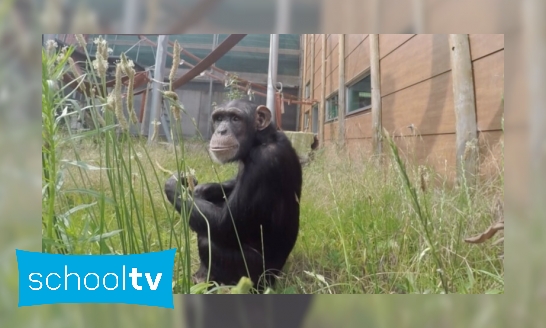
(416, 94)
(249, 60)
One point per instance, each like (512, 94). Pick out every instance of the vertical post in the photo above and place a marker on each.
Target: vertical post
(302, 81)
(341, 93)
(47, 37)
(535, 69)
(159, 73)
(272, 74)
(283, 16)
(323, 91)
(130, 15)
(209, 126)
(312, 84)
(375, 13)
(376, 93)
(418, 16)
(465, 108)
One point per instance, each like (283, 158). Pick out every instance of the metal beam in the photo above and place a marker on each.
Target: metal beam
(206, 46)
(283, 16)
(211, 83)
(159, 73)
(212, 58)
(130, 15)
(272, 74)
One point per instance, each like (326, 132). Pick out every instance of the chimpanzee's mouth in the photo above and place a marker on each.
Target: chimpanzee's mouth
(223, 148)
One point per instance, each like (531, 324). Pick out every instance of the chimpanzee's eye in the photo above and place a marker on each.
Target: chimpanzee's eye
(235, 118)
(218, 118)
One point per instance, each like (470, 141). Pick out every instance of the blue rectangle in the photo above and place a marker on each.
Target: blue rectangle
(140, 279)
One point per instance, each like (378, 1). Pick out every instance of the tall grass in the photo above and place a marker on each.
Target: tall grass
(381, 234)
(100, 186)
(366, 226)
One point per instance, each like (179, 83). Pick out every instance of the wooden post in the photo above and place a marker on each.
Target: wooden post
(312, 84)
(303, 83)
(341, 93)
(465, 108)
(323, 91)
(376, 93)
(534, 30)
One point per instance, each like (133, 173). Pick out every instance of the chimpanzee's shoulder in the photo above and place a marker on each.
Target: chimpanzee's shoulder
(275, 154)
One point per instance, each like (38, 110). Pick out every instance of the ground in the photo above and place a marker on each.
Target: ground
(360, 231)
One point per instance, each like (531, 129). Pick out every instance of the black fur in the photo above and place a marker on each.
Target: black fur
(263, 199)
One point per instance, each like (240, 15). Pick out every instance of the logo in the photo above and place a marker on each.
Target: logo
(141, 279)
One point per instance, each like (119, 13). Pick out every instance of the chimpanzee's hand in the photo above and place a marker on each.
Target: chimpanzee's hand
(173, 188)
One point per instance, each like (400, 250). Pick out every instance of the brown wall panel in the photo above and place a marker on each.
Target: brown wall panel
(357, 61)
(491, 153)
(422, 57)
(359, 149)
(436, 151)
(484, 44)
(317, 93)
(427, 105)
(446, 15)
(330, 131)
(489, 87)
(352, 41)
(332, 61)
(318, 64)
(318, 47)
(417, 89)
(332, 82)
(358, 126)
(331, 43)
(389, 42)
(308, 51)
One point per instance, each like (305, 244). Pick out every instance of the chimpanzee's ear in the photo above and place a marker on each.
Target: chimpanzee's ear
(263, 117)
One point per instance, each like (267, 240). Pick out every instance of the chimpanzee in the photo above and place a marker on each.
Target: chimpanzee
(260, 214)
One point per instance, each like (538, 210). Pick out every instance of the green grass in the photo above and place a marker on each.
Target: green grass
(366, 226)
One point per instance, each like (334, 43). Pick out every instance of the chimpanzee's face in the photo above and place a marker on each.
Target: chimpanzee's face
(235, 125)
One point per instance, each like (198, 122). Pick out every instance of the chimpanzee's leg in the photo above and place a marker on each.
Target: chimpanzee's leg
(228, 265)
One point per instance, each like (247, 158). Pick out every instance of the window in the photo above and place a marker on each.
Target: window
(306, 121)
(307, 90)
(359, 95)
(331, 107)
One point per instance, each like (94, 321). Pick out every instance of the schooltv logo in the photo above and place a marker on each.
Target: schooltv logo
(140, 279)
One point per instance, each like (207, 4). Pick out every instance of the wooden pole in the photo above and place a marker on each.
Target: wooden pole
(304, 82)
(341, 93)
(301, 83)
(312, 84)
(535, 69)
(376, 93)
(156, 105)
(323, 91)
(465, 108)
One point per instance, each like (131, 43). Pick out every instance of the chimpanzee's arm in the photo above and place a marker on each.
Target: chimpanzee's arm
(207, 201)
(214, 192)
